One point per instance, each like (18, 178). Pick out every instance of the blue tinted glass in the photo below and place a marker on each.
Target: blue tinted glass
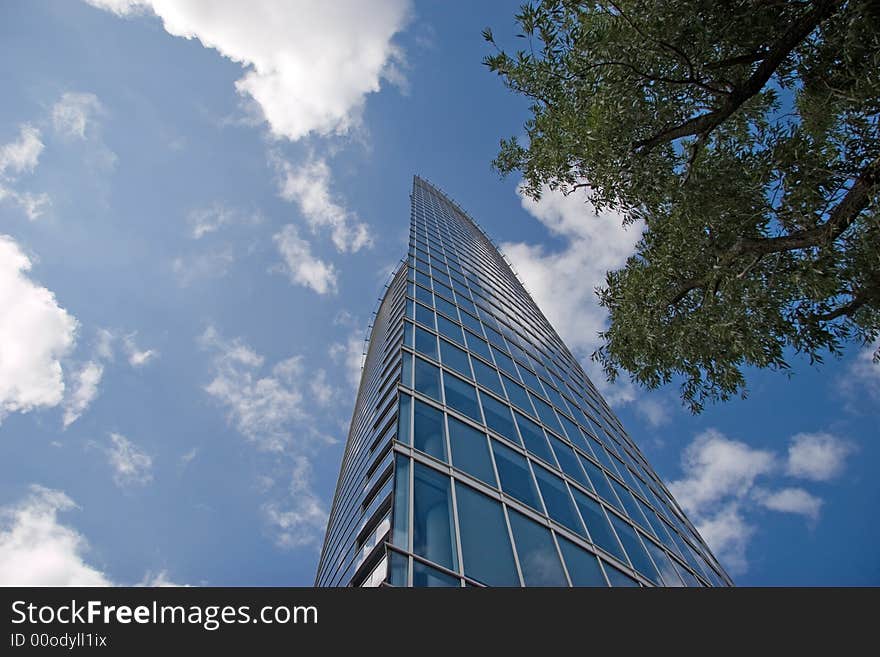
(516, 480)
(531, 381)
(493, 335)
(479, 347)
(401, 502)
(545, 412)
(424, 315)
(600, 482)
(537, 554)
(446, 308)
(454, 358)
(568, 462)
(574, 434)
(487, 377)
(517, 395)
(450, 330)
(470, 451)
(406, 370)
(426, 343)
(428, 430)
(422, 279)
(443, 290)
(557, 500)
(629, 503)
(427, 379)
(504, 362)
(597, 525)
(485, 546)
(688, 576)
(433, 536)
(619, 578)
(638, 556)
(498, 417)
(424, 576)
(664, 564)
(465, 303)
(408, 334)
(397, 569)
(461, 396)
(534, 439)
(583, 568)
(403, 419)
(472, 323)
(424, 296)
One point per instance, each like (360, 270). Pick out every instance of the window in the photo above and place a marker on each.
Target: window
(426, 343)
(583, 567)
(455, 358)
(425, 576)
(485, 545)
(534, 439)
(401, 502)
(557, 500)
(664, 564)
(470, 451)
(424, 315)
(487, 377)
(545, 412)
(517, 395)
(428, 431)
(446, 308)
(450, 330)
(472, 323)
(397, 571)
(461, 396)
(498, 417)
(427, 379)
(619, 578)
(600, 482)
(629, 503)
(597, 525)
(433, 536)
(568, 461)
(516, 479)
(406, 370)
(504, 362)
(403, 419)
(537, 554)
(479, 347)
(424, 296)
(638, 556)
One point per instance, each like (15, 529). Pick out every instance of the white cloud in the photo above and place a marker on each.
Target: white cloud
(301, 266)
(594, 244)
(302, 518)
(654, 412)
(862, 379)
(33, 205)
(308, 66)
(187, 457)
(351, 354)
(309, 187)
(322, 391)
(728, 534)
(131, 465)
(158, 580)
(35, 334)
(137, 357)
(212, 264)
(83, 392)
(73, 113)
(790, 500)
(203, 221)
(19, 157)
(817, 456)
(37, 550)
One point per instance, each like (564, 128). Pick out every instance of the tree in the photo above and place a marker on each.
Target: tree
(744, 135)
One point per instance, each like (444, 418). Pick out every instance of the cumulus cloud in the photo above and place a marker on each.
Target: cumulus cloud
(308, 186)
(862, 379)
(137, 357)
(308, 66)
(83, 392)
(351, 355)
(300, 265)
(653, 411)
(131, 465)
(35, 334)
(36, 549)
(594, 243)
(19, 157)
(73, 113)
(726, 481)
(301, 519)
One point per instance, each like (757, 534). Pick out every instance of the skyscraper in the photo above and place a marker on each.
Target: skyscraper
(480, 453)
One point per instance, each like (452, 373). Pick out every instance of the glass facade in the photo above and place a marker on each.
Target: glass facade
(479, 452)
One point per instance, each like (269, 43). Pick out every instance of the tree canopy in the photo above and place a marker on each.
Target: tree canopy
(744, 135)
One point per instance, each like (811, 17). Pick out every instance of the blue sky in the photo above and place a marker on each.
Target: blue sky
(198, 211)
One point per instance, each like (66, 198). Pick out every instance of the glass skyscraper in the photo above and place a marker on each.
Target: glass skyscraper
(479, 453)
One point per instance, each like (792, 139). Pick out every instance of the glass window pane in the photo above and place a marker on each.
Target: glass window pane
(537, 554)
(548, 417)
(619, 578)
(600, 482)
(472, 323)
(461, 396)
(408, 334)
(426, 343)
(487, 377)
(504, 362)
(597, 525)
(517, 395)
(428, 430)
(498, 417)
(629, 503)
(427, 379)
(403, 419)
(454, 358)
(478, 346)
(433, 536)
(424, 296)
(663, 563)
(425, 315)
(638, 556)
(401, 502)
(583, 567)
(470, 451)
(398, 569)
(531, 381)
(557, 500)
(485, 545)
(568, 461)
(406, 370)
(534, 439)
(425, 576)
(446, 308)
(516, 480)
(450, 330)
